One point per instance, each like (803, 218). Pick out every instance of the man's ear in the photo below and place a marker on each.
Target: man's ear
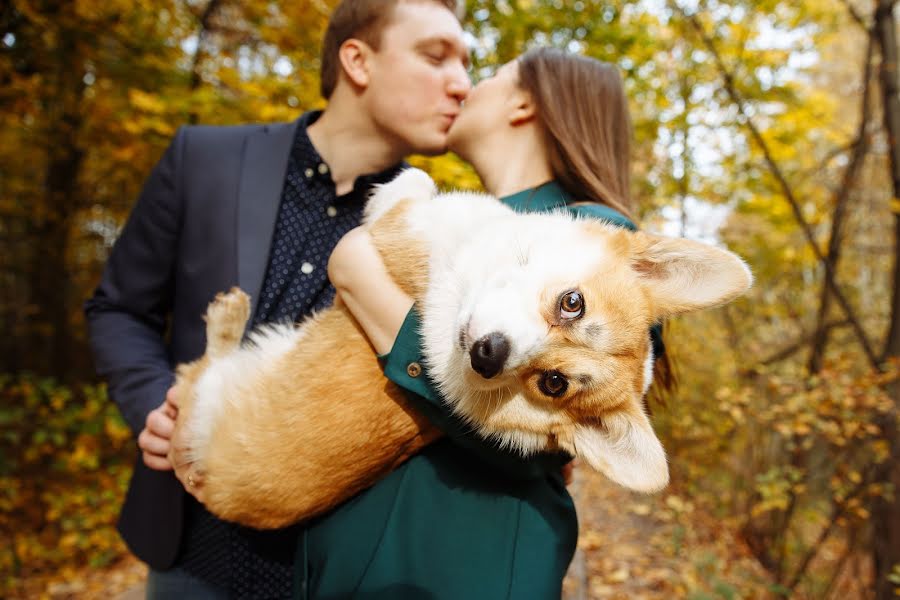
(683, 275)
(354, 56)
(625, 449)
(522, 107)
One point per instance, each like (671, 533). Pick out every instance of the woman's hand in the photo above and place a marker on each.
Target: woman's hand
(364, 285)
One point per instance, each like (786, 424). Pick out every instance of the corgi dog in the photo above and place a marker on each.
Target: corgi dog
(535, 329)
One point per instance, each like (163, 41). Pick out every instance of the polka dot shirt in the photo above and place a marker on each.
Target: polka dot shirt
(311, 221)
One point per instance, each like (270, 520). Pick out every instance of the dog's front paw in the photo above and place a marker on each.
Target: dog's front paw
(226, 319)
(410, 184)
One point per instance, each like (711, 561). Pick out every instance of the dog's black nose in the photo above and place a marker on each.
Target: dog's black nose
(489, 354)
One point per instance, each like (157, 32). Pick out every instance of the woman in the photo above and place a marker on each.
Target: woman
(464, 519)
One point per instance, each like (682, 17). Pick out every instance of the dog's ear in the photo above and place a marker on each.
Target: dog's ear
(684, 275)
(625, 449)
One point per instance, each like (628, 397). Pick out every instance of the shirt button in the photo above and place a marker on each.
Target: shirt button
(308, 172)
(306, 268)
(414, 369)
(331, 211)
(323, 168)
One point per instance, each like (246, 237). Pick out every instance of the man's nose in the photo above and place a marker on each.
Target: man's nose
(459, 84)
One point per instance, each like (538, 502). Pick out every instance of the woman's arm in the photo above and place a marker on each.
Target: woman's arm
(362, 282)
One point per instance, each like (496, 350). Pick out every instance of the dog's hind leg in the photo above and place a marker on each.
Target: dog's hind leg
(226, 319)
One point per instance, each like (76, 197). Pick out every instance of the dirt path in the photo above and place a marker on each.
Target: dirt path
(122, 580)
(633, 546)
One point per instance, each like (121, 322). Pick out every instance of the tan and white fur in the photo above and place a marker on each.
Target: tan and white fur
(535, 329)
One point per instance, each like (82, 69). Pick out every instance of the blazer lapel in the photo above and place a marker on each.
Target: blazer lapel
(259, 196)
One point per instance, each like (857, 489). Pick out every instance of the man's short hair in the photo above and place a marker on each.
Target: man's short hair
(364, 20)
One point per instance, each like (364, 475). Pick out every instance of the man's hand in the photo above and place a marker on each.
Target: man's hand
(155, 440)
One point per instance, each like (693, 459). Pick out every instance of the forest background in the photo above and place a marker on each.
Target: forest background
(768, 126)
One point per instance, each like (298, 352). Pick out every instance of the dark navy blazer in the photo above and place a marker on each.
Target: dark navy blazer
(203, 223)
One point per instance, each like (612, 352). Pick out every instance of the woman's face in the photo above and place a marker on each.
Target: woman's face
(487, 108)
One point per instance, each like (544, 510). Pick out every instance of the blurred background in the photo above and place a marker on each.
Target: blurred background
(768, 126)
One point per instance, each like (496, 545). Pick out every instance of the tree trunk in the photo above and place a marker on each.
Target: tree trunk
(886, 513)
(887, 38)
(52, 347)
(205, 21)
(51, 287)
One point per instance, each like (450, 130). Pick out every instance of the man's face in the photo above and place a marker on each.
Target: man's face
(418, 77)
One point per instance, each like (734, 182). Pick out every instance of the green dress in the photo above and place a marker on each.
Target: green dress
(461, 520)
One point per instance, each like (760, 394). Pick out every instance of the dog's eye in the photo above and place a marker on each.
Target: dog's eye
(554, 384)
(571, 305)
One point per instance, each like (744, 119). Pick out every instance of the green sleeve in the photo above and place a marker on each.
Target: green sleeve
(407, 350)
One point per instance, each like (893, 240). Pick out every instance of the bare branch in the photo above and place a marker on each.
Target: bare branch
(837, 511)
(854, 14)
(830, 156)
(841, 563)
(798, 345)
(842, 197)
(786, 189)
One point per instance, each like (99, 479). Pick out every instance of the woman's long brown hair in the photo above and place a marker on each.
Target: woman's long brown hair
(581, 104)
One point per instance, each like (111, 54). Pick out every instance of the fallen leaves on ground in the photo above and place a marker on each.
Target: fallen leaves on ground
(635, 546)
(85, 583)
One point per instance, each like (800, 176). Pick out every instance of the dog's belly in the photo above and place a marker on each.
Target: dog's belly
(297, 435)
(228, 378)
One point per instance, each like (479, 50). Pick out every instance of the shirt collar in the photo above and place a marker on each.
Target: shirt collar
(551, 195)
(542, 198)
(312, 165)
(307, 158)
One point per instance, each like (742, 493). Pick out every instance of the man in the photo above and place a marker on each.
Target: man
(260, 207)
